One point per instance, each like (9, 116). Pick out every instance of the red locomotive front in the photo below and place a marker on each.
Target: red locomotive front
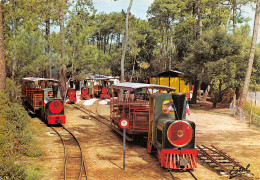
(171, 136)
(54, 112)
(71, 96)
(53, 109)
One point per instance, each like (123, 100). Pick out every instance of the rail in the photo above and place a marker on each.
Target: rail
(221, 161)
(191, 173)
(74, 164)
(101, 119)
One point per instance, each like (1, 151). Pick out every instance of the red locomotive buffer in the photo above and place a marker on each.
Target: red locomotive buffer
(71, 96)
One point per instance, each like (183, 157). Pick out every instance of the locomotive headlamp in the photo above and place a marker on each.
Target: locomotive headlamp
(84, 90)
(179, 133)
(104, 90)
(71, 93)
(56, 107)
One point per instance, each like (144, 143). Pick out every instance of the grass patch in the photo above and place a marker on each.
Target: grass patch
(255, 111)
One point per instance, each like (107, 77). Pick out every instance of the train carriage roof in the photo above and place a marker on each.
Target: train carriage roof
(132, 86)
(34, 79)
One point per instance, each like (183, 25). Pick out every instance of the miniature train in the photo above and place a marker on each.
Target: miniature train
(97, 87)
(71, 97)
(42, 96)
(170, 136)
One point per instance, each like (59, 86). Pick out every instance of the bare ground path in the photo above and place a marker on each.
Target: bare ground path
(102, 147)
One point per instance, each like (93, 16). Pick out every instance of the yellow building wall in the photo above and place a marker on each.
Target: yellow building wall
(175, 82)
(153, 80)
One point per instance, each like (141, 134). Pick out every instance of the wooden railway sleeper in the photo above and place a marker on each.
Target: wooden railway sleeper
(212, 159)
(233, 160)
(226, 161)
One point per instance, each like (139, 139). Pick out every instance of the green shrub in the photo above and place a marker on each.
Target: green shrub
(15, 140)
(11, 170)
(12, 90)
(254, 87)
(255, 109)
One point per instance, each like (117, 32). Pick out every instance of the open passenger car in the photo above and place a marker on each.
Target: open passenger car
(131, 101)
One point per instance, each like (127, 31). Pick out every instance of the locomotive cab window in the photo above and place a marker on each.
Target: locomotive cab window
(165, 105)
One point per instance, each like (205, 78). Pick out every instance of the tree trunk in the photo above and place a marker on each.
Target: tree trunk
(99, 40)
(47, 48)
(200, 83)
(125, 43)
(170, 59)
(118, 40)
(14, 65)
(63, 66)
(206, 92)
(2, 55)
(14, 59)
(219, 98)
(133, 70)
(251, 57)
(161, 50)
(166, 50)
(200, 21)
(214, 104)
(107, 43)
(228, 19)
(104, 43)
(234, 15)
(238, 92)
(194, 23)
(200, 38)
(111, 40)
(199, 93)
(195, 93)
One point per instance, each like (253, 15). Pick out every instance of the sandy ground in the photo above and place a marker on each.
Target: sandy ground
(103, 149)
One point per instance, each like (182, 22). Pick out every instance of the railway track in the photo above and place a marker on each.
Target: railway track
(222, 162)
(107, 122)
(102, 119)
(74, 165)
(94, 115)
(175, 178)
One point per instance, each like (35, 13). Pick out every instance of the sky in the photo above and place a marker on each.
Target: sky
(140, 7)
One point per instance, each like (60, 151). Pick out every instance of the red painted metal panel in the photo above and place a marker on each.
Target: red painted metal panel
(172, 158)
(85, 96)
(56, 119)
(104, 96)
